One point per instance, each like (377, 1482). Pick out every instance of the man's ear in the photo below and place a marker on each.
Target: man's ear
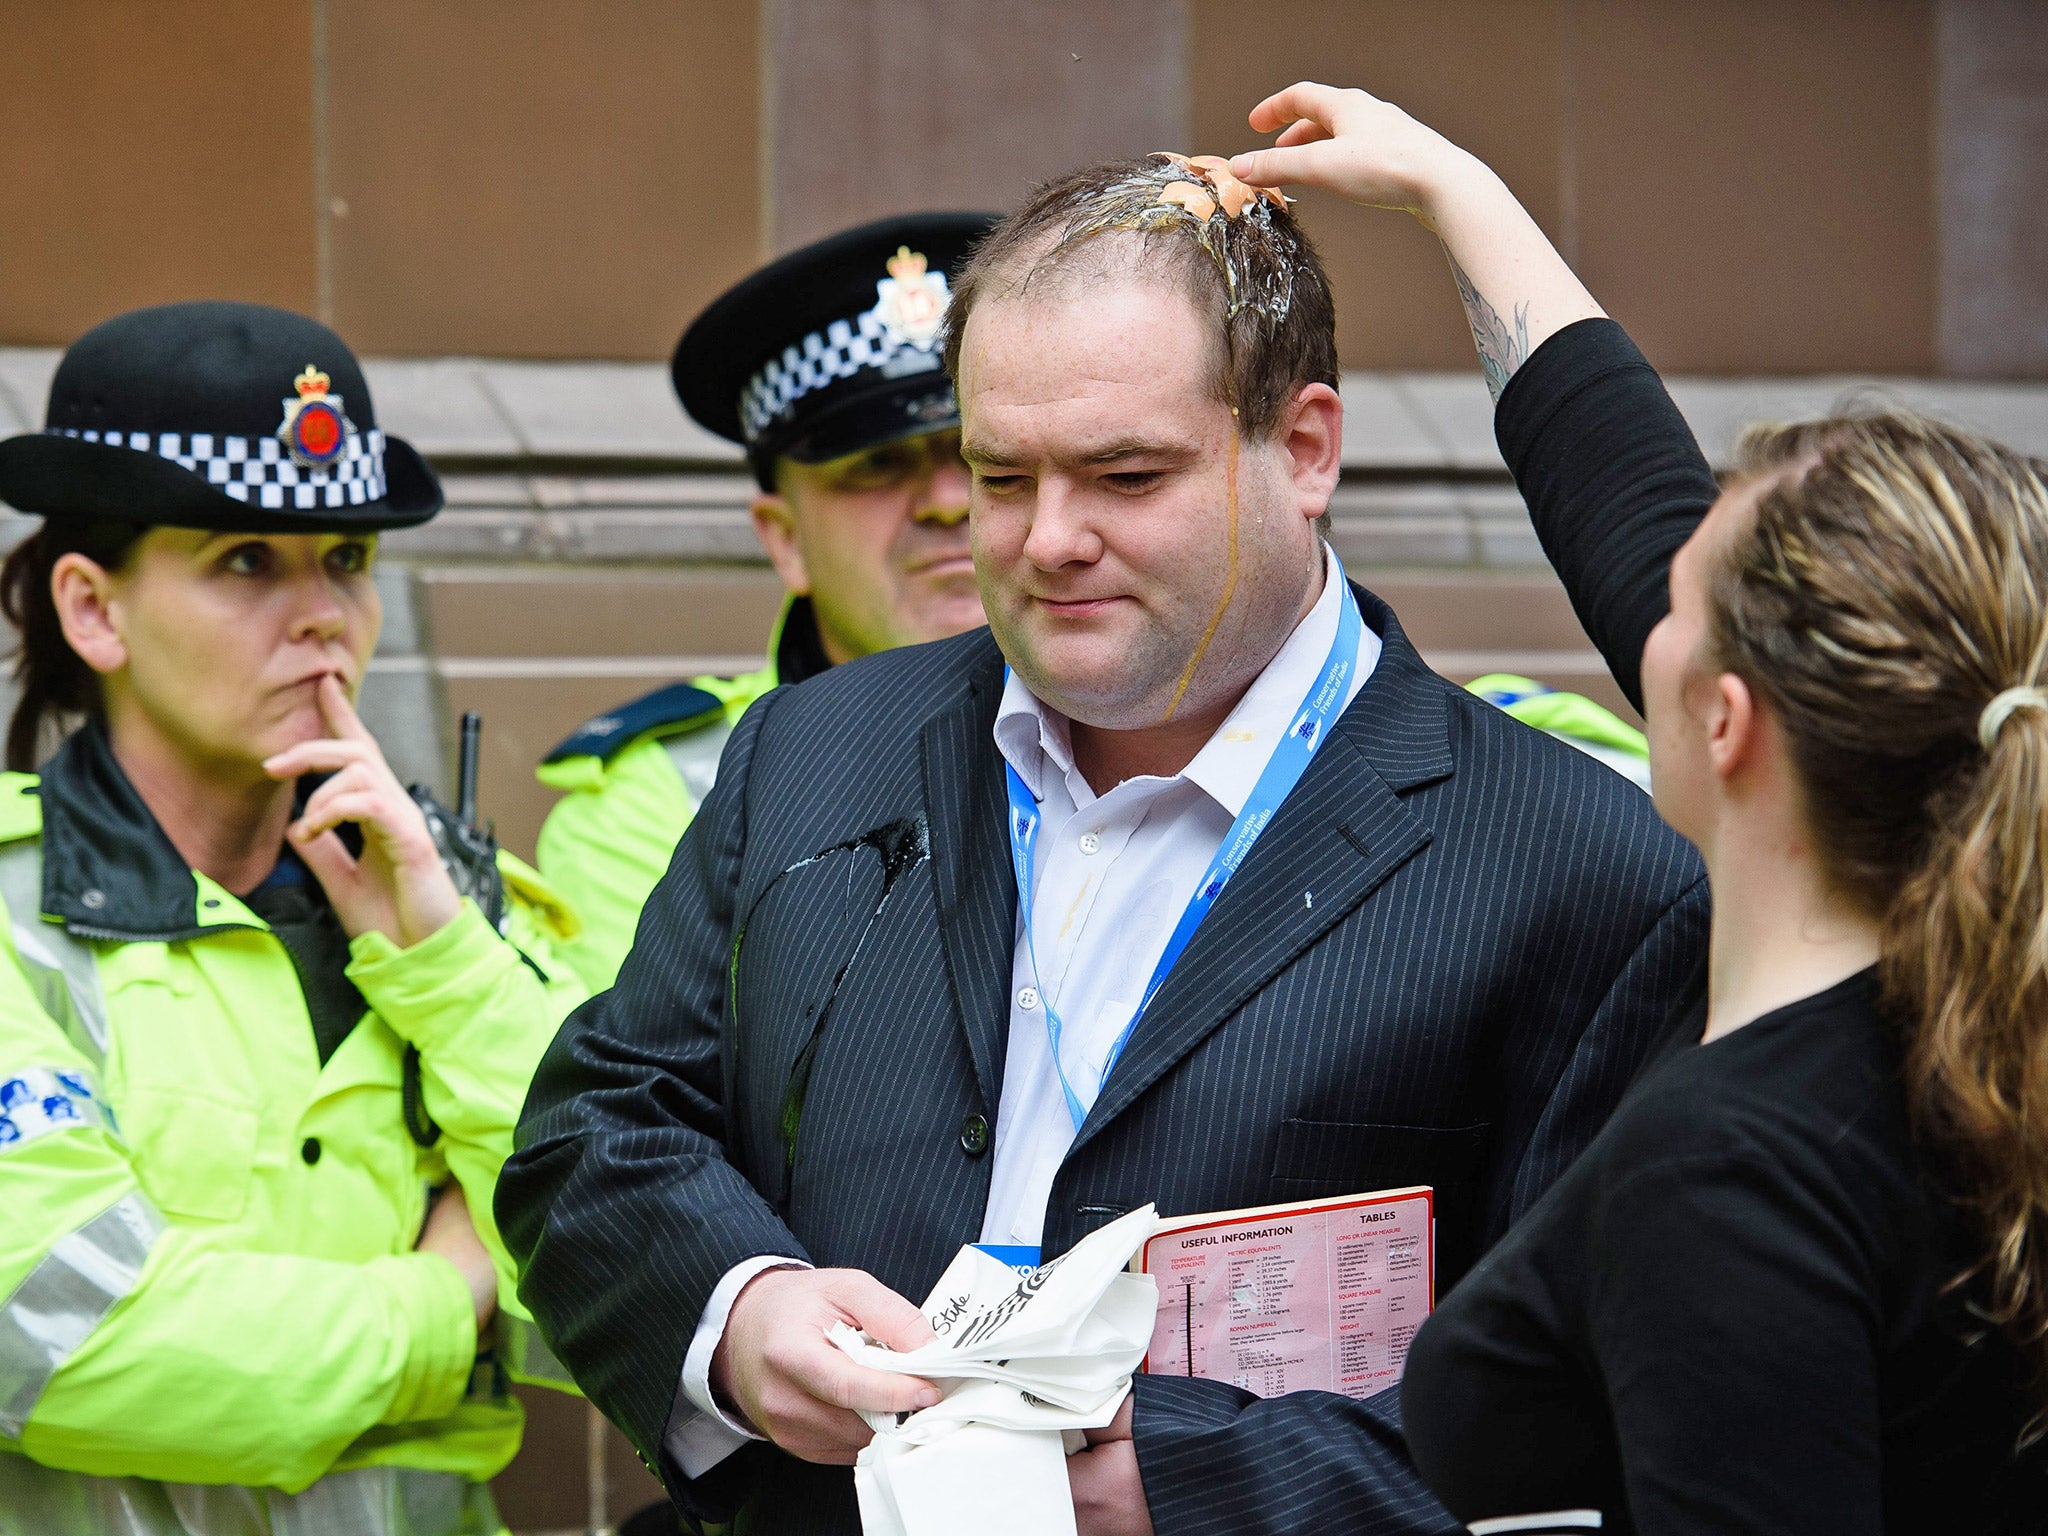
(775, 526)
(89, 612)
(1312, 433)
(1734, 727)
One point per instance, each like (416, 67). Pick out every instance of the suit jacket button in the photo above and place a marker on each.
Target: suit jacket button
(974, 1135)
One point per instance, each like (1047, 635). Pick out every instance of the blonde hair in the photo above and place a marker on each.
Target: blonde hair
(1887, 591)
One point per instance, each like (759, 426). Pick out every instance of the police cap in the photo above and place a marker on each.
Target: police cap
(235, 417)
(832, 348)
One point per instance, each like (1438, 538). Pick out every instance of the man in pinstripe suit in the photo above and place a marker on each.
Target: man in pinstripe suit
(1186, 882)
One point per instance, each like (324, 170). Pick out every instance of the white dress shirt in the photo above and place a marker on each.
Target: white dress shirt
(1111, 875)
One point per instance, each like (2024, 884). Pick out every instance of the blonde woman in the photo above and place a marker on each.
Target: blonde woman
(1800, 1283)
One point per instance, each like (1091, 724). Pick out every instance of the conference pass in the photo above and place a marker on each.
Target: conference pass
(1319, 1295)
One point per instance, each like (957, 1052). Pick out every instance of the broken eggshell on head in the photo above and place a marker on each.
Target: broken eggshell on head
(1256, 260)
(1232, 193)
(1185, 194)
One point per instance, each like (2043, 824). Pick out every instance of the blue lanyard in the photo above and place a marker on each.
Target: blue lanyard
(1319, 708)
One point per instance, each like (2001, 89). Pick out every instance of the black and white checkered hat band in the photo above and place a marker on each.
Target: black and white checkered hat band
(838, 352)
(259, 470)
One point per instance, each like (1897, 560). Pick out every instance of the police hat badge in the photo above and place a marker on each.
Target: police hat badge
(315, 430)
(911, 301)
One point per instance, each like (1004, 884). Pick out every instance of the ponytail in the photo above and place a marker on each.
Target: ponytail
(55, 685)
(1889, 600)
(1966, 955)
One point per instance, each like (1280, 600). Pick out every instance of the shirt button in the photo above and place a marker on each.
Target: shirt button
(1027, 998)
(1090, 843)
(309, 1149)
(974, 1135)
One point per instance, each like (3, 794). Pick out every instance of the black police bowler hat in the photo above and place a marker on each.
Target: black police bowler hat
(235, 417)
(832, 348)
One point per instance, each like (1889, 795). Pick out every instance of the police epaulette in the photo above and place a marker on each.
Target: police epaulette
(675, 707)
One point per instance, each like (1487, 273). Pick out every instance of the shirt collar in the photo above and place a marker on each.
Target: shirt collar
(1032, 734)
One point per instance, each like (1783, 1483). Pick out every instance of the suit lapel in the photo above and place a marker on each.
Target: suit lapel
(1335, 840)
(977, 897)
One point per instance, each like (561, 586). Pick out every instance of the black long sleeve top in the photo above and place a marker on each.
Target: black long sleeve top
(1613, 479)
(1737, 1311)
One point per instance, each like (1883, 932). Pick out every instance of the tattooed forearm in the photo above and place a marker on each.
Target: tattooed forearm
(1501, 351)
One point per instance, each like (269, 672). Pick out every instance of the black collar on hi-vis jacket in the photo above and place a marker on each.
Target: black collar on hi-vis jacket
(109, 869)
(110, 872)
(800, 653)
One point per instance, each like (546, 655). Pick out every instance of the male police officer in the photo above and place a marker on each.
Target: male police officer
(825, 365)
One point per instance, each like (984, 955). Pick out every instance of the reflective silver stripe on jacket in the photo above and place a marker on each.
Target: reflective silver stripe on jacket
(695, 754)
(368, 1501)
(61, 970)
(527, 1356)
(66, 1296)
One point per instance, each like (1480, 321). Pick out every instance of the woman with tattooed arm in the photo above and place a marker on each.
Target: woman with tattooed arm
(1800, 1283)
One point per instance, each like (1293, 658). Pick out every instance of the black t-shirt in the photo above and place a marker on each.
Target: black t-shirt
(1734, 1314)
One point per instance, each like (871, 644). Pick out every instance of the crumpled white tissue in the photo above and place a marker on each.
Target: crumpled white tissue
(1026, 1362)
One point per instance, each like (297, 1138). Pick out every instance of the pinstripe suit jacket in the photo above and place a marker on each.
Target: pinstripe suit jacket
(1500, 929)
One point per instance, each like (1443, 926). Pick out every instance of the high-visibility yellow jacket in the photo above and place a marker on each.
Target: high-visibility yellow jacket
(632, 778)
(207, 1249)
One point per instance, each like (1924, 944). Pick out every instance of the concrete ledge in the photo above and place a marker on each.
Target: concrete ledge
(484, 412)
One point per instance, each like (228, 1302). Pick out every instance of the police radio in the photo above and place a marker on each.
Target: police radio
(470, 855)
(469, 851)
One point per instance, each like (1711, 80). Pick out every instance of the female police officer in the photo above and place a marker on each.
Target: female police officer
(246, 1021)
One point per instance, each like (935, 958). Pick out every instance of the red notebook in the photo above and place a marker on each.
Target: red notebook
(1317, 1295)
